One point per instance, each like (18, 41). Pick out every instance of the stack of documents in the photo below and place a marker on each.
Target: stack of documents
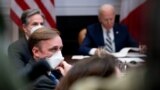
(129, 54)
(125, 55)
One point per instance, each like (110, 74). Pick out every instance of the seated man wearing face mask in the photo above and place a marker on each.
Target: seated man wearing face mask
(45, 46)
(18, 51)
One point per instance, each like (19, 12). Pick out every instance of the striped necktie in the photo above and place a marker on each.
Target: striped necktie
(109, 43)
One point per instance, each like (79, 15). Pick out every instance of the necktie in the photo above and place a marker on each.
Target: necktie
(109, 47)
(53, 78)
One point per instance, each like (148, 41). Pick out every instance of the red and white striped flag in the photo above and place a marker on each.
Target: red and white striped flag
(47, 7)
(132, 14)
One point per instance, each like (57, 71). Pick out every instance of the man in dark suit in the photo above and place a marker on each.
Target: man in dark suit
(22, 58)
(18, 51)
(113, 37)
(45, 45)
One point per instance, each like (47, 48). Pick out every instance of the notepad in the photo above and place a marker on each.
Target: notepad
(128, 52)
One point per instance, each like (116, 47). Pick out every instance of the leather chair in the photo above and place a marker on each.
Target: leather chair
(82, 35)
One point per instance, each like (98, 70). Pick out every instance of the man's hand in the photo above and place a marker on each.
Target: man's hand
(64, 67)
(100, 51)
(143, 49)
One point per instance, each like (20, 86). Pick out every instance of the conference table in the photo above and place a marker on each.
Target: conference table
(126, 64)
(68, 58)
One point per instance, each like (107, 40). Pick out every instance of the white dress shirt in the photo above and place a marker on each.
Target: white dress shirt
(111, 34)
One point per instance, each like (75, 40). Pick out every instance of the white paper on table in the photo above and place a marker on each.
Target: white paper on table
(127, 60)
(125, 52)
(79, 57)
(133, 54)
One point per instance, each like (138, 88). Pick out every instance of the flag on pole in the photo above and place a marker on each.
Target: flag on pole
(132, 14)
(47, 8)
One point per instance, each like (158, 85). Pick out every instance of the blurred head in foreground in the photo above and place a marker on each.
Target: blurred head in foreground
(102, 66)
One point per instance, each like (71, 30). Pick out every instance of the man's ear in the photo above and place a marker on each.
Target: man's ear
(24, 28)
(35, 51)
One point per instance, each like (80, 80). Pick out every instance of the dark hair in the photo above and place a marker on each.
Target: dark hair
(28, 13)
(41, 34)
(101, 66)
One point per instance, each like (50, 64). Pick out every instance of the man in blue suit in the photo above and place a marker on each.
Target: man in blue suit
(99, 34)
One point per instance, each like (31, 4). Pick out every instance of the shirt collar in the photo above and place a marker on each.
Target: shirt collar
(111, 33)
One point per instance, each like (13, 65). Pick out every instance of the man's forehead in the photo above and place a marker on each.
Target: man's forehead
(36, 17)
(53, 41)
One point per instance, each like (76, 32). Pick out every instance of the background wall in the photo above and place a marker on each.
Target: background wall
(82, 7)
(71, 15)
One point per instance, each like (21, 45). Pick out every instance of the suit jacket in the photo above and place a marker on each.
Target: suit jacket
(37, 75)
(94, 38)
(19, 53)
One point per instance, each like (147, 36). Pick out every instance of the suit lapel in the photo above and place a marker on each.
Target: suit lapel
(116, 35)
(100, 38)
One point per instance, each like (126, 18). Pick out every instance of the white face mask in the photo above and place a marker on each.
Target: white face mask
(55, 59)
(35, 28)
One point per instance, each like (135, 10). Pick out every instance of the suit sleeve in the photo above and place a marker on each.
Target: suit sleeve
(34, 70)
(131, 41)
(15, 56)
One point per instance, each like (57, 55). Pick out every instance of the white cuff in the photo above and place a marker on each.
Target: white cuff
(92, 51)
